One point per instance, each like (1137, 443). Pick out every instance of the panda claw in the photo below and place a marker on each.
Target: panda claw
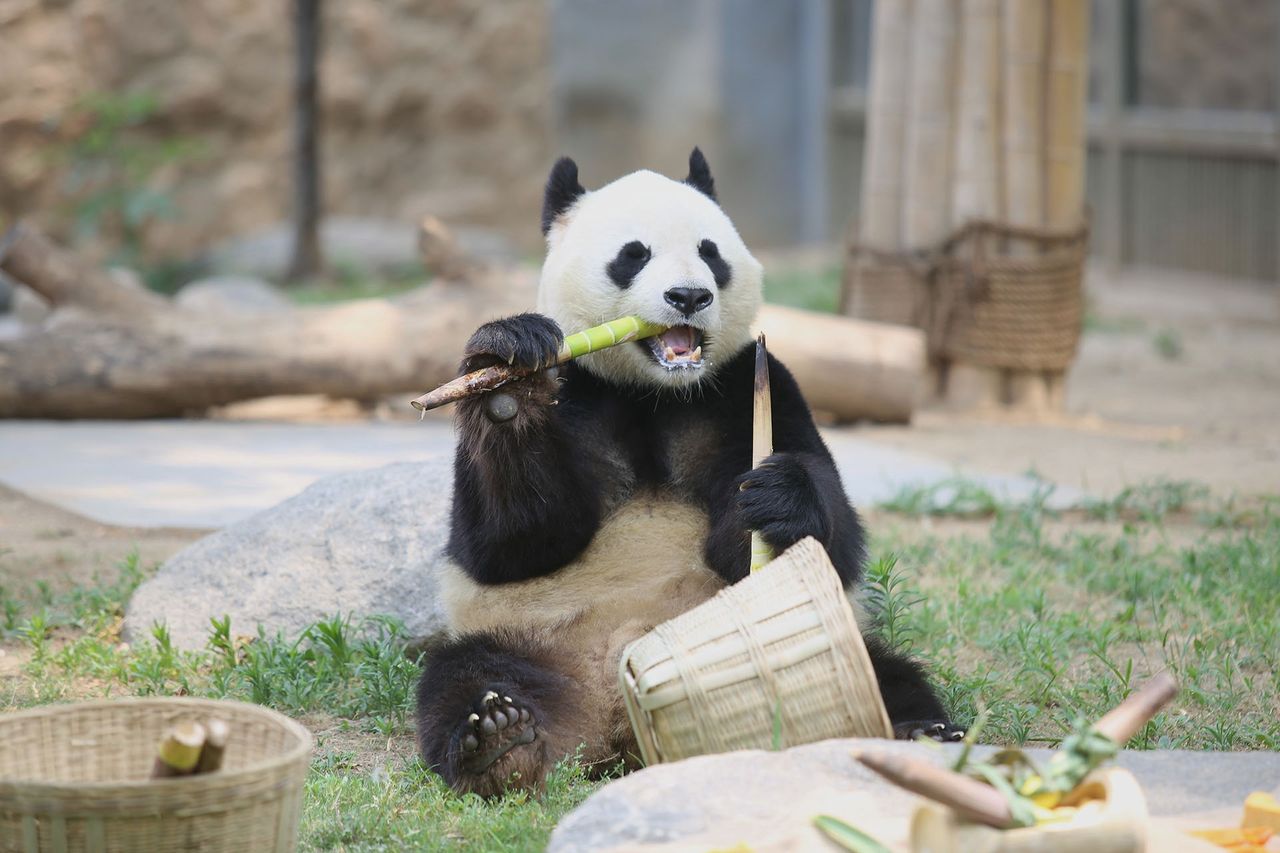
(498, 727)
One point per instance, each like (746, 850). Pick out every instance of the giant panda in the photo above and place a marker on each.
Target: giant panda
(594, 501)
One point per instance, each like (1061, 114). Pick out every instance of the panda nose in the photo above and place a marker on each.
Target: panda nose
(689, 300)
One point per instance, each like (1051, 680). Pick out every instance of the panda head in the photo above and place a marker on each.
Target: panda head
(656, 248)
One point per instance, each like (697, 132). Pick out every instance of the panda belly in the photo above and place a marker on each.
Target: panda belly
(643, 566)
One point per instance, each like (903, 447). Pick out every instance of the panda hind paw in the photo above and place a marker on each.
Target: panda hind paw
(495, 727)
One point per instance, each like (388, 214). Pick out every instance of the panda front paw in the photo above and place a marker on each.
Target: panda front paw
(529, 341)
(782, 501)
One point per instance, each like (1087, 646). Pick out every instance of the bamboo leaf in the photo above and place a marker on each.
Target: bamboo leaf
(849, 837)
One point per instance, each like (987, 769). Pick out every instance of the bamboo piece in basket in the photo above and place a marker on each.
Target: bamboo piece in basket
(179, 750)
(218, 732)
(761, 442)
(775, 660)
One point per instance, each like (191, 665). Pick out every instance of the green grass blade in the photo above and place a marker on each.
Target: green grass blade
(849, 837)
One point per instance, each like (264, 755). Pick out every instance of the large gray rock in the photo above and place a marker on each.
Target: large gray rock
(366, 543)
(234, 294)
(768, 799)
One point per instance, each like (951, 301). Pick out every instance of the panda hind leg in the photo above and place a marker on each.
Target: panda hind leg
(494, 713)
(914, 709)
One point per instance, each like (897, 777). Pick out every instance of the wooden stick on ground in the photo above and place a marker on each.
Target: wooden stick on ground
(215, 745)
(1127, 719)
(600, 337)
(969, 797)
(179, 750)
(761, 441)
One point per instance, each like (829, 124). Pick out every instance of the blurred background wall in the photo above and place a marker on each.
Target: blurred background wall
(438, 106)
(457, 107)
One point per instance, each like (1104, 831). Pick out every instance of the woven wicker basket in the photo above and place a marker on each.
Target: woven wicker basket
(75, 778)
(990, 294)
(781, 646)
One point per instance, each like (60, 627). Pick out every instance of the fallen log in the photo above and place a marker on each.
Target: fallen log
(112, 351)
(852, 369)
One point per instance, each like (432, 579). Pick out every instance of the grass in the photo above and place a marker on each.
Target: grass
(815, 290)
(1040, 618)
(1043, 619)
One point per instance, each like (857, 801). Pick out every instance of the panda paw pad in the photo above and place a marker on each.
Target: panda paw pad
(495, 726)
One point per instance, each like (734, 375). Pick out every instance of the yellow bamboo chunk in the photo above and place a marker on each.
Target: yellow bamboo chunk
(179, 750)
(976, 187)
(761, 442)
(215, 745)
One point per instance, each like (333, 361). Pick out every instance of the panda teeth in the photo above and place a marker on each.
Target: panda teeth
(697, 354)
(669, 354)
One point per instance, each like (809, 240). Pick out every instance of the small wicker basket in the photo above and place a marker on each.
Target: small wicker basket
(76, 778)
(778, 656)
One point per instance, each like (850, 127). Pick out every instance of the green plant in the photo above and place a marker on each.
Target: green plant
(1168, 344)
(111, 166)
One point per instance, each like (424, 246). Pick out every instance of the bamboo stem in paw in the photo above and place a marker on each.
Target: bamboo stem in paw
(596, 338)
(761, 442)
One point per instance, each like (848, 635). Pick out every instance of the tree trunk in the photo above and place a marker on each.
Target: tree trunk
(307, 260)
(111, 351)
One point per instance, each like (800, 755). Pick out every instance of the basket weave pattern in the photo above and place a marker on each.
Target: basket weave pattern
(75, 778)
(990, 295)
(782, 644)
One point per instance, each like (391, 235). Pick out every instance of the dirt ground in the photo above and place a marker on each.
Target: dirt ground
(39, 541)
(1178, 377)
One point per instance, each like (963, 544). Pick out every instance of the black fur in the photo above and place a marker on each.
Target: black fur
(720, 269)
(457, 674)
(631, 258)
(562, 191)
(700, 175)
(504, 528)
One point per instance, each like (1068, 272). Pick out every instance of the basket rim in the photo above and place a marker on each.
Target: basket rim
(36, 787)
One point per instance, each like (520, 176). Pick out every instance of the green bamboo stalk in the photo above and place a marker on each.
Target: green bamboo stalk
(596, 338)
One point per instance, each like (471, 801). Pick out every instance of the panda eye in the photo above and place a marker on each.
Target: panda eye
(630, 260)
(708, 250)
(636, 251)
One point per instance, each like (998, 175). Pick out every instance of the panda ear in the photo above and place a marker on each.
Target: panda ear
(700, 175)
(563, 190)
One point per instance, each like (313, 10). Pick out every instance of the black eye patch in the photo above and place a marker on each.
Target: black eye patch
(630, 260)
(720, 269)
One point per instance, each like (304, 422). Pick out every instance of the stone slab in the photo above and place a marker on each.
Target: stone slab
(767, 800)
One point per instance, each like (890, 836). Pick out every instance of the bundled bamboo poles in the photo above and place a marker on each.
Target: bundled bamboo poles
(191, 748)
(976, 112)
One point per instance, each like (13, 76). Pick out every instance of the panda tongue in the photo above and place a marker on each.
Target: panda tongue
(679, 338)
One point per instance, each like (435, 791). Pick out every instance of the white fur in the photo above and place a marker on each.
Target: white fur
(671, 218)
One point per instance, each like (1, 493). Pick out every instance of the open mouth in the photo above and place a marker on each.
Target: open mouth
(678, 348)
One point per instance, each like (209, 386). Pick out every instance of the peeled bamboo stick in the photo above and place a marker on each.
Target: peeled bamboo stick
(761, 442)
(600, 337)
(179, 750)
(215, 745)
(975, 800)
(1127, 719)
